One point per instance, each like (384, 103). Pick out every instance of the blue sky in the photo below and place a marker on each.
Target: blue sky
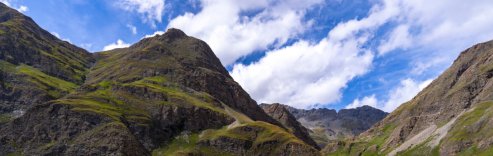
(304, 53)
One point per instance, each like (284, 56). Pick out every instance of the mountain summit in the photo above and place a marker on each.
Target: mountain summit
(165, 95)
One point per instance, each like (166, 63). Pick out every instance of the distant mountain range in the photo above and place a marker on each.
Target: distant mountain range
(327, 125)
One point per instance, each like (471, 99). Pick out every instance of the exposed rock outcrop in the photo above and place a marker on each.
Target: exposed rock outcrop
(281, 114)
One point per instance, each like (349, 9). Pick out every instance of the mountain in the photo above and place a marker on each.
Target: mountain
(328, 125)
(281, 114)
(452, 116)
(35, 66)
(165, 95)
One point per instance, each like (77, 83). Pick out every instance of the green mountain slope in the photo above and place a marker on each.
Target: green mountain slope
(35, 66)
(449, 117)
(165, 95)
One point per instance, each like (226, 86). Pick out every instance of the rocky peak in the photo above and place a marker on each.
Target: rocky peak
(173, 34)
(183, 60)
(281, 114)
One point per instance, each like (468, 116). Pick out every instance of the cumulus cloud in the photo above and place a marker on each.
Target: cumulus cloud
(407, 89)
(118, 44)
(23, 9)
(399, 38)
(442, 27)
(306, 75)
(151, 10)
(232, 34)
(154, 34)
(437, 28)
(366, 101)
(132, 28)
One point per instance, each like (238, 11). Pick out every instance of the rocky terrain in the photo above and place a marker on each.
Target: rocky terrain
(35, 66)
(165, 95)
(452, 116)
(327, 125)
(281, 114)
(170, 95)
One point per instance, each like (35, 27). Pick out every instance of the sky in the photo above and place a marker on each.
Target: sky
(304, 53)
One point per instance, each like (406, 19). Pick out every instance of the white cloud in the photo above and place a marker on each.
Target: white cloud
(132, 28)
(23, 9)
(232, 35)
(59, 37)
(403, 93)
(306, 75)
(399, 38)
(152, 10)
(367, 100)
(154, 34)
(442, 29)
(119, 44)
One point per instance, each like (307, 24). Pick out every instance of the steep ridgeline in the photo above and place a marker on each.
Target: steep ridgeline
(35, 66)
(328, 125)
(452, 116)
(281, 114)
(165, 95)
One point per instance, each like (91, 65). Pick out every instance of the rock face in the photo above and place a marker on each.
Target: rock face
(327, 125)
(165, 95)
(281, 114)
(451, 116)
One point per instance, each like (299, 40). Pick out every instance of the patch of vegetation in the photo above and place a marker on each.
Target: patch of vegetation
(14, 154)
(471, 127)
(385, 133)
(173, 92)
(362, 146)
(186, 144)
(482, 111)
(46, 82)
(422, 149)
(486, 68)
(319, 136)
(180, 145)
(48, 145)
(4, 118)
(7, 67)
(113, 110)
(257, 132)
